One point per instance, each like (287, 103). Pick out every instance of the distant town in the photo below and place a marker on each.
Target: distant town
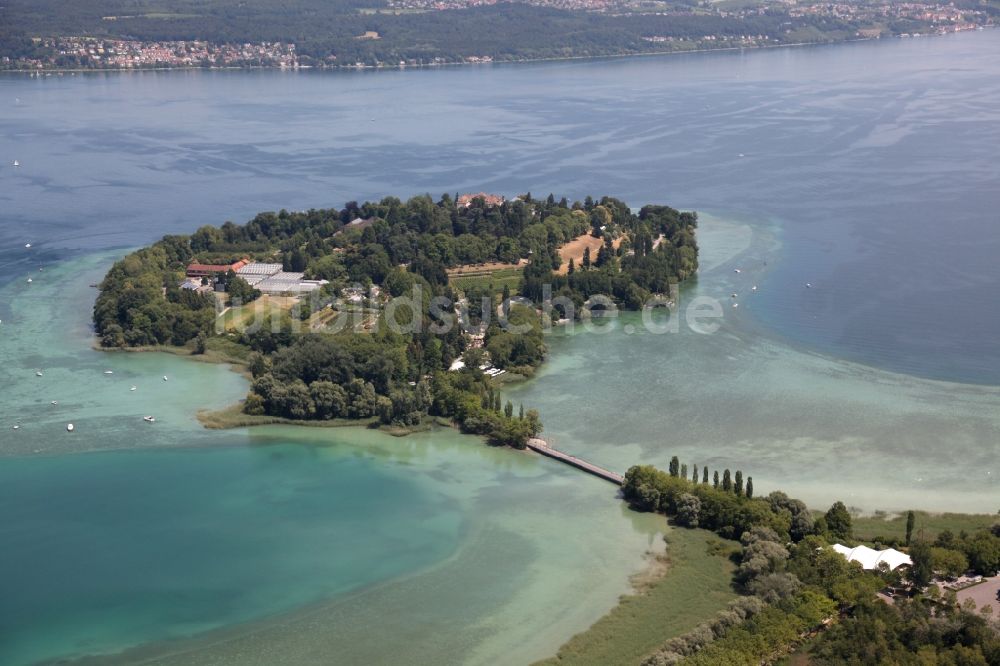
(945, 17)
(94, 53)
(414, 33)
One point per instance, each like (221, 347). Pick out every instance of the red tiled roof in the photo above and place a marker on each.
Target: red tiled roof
(216, 268)
(491, 199)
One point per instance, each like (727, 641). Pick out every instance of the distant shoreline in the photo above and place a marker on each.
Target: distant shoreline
(721, 49)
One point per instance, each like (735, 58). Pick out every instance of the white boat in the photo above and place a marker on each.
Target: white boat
(16, 163)
(17, 427)
(133, 388)
(38, 373)
(808, 285)
(736, 305)
(148, 419)
(29, 280)
(753, 288)
(27, 245)
(164, 378)
(109, 372)
(55, 402)
(736, 270)
(69, 427)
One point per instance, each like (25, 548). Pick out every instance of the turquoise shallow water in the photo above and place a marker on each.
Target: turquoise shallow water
(124, 533)
(162, 544)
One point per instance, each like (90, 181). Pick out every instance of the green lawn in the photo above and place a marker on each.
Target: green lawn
(695, 587)
(930, 524)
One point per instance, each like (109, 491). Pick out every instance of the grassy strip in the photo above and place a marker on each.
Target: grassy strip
(927, 525)
(233, 417)
(693, 587)
(217, 350)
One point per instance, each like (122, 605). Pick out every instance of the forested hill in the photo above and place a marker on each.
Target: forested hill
(329, 33)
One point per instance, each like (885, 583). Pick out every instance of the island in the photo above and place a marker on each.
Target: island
(392, 312)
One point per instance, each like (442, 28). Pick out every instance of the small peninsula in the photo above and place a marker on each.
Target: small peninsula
(394, 312)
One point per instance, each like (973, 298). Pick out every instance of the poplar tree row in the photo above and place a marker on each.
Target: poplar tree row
(729, 483)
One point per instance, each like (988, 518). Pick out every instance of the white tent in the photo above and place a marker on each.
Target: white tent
(871, 559)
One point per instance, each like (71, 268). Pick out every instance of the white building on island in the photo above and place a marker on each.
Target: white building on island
(869, 558)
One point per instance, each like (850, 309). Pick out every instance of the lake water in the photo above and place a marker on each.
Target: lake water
(867, 170)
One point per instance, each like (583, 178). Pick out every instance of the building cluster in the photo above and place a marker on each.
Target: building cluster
(266, 278)
(130, 54)
(271, 279)
(714, 40)
(584, 5)
(941, 18)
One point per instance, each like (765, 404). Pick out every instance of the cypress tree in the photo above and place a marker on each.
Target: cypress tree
(674, 466)
(738, 486)
(497, 404)
(572, 267)
(749, 487)
(694, 476)
(911, 519)
(704, 476)
(586, 257)
(508, 409)
(520, 413)
(715, 480)
(602, 256)
(684, 471)
(727, 481)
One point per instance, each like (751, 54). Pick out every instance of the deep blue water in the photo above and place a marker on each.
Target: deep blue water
(878, 159)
